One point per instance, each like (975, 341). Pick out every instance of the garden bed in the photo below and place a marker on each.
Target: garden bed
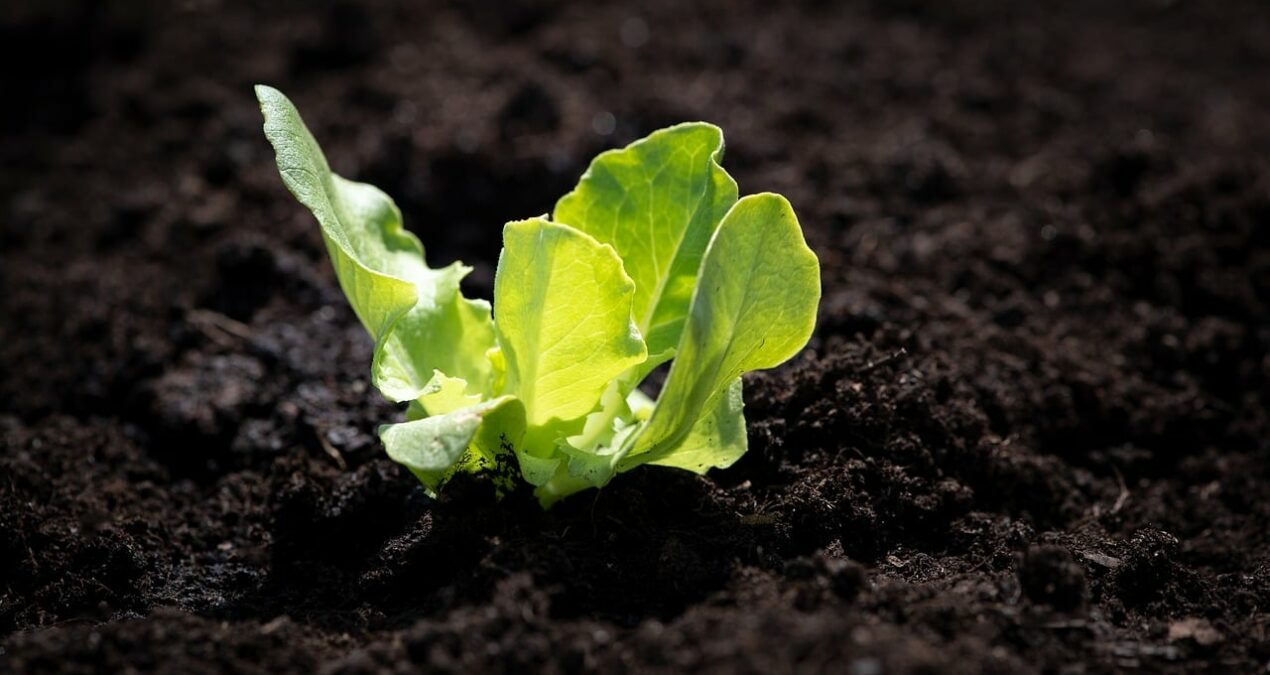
(1030, 432)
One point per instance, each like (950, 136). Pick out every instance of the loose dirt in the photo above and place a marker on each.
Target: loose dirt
(1029, 435)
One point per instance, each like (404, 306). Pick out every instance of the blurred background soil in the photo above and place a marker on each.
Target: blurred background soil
(1029, 435)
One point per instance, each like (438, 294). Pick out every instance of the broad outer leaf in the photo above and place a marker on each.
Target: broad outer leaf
(564, 319)
(433, 447)
(754, 308)
(419, 320)
(657, 202)
(716, 441)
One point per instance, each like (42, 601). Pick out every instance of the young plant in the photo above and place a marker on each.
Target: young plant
(651, 259)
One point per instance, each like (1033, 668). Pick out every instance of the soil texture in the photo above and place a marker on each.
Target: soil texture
(1030, 433)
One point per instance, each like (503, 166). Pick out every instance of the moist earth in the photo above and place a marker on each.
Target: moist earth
(1029, 434)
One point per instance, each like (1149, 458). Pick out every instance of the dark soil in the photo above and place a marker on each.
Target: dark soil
(1030, 434)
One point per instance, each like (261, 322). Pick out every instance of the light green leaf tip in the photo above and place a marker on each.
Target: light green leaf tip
(406, 306)
(754, 308)
(657, 202)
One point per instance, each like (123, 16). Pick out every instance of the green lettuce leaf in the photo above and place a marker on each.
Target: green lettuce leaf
(445, 394)
(564, 330)
(657, 202)
(754, 308)
(715, 441)
(416, 315)
(652, 257)
(435, 447)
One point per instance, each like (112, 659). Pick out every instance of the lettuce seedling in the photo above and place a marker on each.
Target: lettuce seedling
(651, 259)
